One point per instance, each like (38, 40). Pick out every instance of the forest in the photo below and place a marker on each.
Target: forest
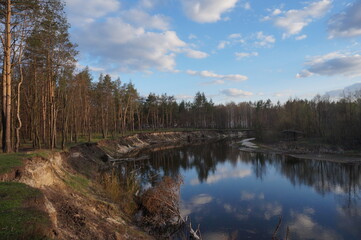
(47, 101)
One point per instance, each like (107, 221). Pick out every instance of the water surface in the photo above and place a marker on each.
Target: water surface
(238, 195)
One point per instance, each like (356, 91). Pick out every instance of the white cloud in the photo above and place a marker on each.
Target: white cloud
(234, 38)
(301, 37)
(304, 74)
(148, 3)
(191, 53)
(293, 21)
(192, 36)
(285, 93)
(206, 11)
(246, 6)
(241, 55)
(80, 11)
(133, 41)
(209, 74)
(332, 64)
(91, 68)
(347, 23)
(139, 18)
(233, 92)
(129, 48)
(235, 35)
(264, 40)
(276, 12)
(215, 82)
(223, 44)
(183, 97)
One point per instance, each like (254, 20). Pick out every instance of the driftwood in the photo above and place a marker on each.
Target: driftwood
(195, 234)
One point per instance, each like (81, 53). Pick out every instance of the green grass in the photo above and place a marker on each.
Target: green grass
(10, 161)
(18, 219)
(77, 182)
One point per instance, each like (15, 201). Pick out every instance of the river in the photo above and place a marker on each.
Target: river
(241, 195)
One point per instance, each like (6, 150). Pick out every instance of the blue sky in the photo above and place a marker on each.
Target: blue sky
(232, 50)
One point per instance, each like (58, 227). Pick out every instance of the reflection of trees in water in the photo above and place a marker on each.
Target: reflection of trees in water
(344, 180)
(323, 176)
(203, 158)
(258, 161)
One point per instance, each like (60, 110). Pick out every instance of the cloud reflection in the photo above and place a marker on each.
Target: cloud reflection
(304, 227)
(224, 173)
(216, 236)
(272, 210)
(247, 196)
(195, 204)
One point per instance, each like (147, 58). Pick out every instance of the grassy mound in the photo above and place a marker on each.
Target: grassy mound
(21, 216)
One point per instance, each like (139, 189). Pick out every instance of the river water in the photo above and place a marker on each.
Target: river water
(240, 195)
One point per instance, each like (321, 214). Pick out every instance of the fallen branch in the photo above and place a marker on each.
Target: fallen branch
(195, 234)
(274, 236)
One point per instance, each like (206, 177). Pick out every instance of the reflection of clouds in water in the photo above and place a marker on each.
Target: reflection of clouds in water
(338, 190)
(241, 214)
(309, 211)
(247, 196)
(201, 199)
(195, 204)
(350, 218)
(224, 173)
(271, 210)
(215, 236)
(303, 226)
(330, 186)
(256, 205)
(263, 209)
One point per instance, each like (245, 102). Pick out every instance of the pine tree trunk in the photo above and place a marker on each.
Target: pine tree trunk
(6, 114)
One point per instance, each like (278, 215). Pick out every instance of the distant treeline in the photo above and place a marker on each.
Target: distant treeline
(47, 103)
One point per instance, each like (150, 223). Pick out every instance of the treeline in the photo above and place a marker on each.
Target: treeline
(47, 102)
(336, 122)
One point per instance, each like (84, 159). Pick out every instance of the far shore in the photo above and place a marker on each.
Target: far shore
(303, 151)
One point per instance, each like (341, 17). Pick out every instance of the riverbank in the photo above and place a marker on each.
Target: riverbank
(74, 203)
(304, 149)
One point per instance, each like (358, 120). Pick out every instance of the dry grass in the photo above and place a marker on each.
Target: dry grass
(160, 205)
(121, 190)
